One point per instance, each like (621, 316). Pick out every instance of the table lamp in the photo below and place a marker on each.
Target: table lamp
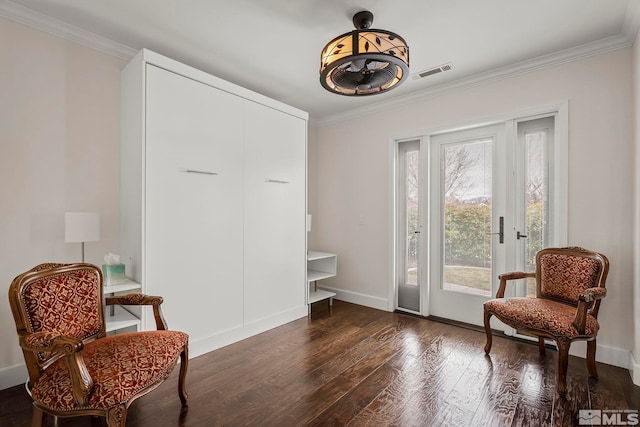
(81, 227)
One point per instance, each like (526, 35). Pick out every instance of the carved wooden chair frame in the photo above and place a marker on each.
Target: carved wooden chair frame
(42, 349)
(587, 304)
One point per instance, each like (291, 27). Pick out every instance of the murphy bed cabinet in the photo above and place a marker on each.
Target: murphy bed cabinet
(213, 202)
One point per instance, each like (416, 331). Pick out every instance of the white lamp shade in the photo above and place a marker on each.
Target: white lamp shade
(81, 227)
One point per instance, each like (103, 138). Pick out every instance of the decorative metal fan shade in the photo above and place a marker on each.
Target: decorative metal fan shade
(364, 62)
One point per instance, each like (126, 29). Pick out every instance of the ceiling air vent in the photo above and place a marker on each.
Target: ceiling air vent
(431, 71)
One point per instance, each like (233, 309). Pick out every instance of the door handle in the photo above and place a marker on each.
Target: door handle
(518, 235)
(500, 233)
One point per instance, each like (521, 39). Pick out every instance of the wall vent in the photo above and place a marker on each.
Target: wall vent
(431, 71)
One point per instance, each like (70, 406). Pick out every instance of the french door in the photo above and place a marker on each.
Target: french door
(472, 204)
(468, 210)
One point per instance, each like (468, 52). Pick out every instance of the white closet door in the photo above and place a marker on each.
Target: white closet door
(275, 221)
(194, 178)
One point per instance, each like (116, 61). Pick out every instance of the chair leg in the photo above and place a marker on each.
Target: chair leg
(563, 363)
(184, 364)
(487, 329)
(591, 358)
(39, 418)
(117, 416)
(541, 346)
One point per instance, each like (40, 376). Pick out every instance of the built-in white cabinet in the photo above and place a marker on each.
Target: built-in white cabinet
(194, 201)
(213, 201)
(275, 212)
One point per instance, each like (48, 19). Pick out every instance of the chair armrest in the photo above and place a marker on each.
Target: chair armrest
(514, 275)
(141, 299)
(71, 348)
(585, 302)
(592, 294)
(50, 342)
(134, 299)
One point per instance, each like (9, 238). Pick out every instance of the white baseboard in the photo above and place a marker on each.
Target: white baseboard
(360, 299)
(634, 369)
(605, 354)
(13, 375)
(213, 342)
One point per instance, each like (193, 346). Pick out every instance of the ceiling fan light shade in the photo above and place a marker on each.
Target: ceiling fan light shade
(364, 62)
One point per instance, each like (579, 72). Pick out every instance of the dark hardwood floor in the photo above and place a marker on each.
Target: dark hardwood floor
(357, 366)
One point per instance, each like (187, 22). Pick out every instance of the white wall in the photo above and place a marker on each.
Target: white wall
(351, 182)
(59, 136)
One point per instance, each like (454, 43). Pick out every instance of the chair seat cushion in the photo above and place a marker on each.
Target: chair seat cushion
(540, 314)
(121, 366)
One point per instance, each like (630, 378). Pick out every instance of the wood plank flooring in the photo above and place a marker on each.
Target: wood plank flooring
(355, 366)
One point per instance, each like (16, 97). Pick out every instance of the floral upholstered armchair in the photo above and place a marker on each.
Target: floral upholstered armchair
(570, 282)
(74, 368)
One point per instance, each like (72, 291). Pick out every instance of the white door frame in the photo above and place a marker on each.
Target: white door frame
(561, 183)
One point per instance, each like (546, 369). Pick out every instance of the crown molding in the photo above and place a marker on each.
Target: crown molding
(632, 21)
(578, 53)
(40, 21)
(631, 25)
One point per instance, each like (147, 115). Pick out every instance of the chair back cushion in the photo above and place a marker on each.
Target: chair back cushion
(61, 299)
(564, 276)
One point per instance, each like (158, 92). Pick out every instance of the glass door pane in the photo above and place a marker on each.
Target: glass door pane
(413, 229)
(466, 184)
(535, 138)
(408, 214)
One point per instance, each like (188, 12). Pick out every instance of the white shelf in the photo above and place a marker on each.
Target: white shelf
(128, 285)
(120, 320)
(313, 275)
(320, 265)
(115, 316)
(315, 255)
(319, 295)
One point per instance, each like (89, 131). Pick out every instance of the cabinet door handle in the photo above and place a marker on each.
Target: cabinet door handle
(276, 181)
(200, 172)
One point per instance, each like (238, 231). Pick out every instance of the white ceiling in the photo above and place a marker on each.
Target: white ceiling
(273, 46)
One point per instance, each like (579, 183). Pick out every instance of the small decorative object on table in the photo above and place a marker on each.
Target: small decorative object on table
(113, 270)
